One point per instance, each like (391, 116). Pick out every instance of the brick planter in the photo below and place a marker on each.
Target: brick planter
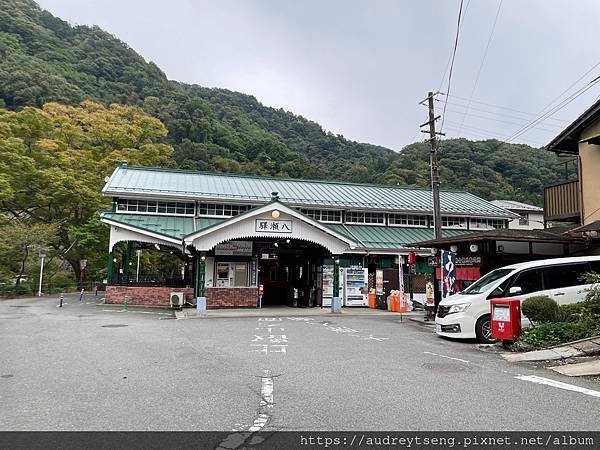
(239, 297)
(144, 295)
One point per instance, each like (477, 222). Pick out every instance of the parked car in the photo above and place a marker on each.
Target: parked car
(466, 315)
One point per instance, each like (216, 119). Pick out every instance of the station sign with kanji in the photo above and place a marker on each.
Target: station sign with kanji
(273, 226)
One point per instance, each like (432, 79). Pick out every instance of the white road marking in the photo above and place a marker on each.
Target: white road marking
(266, 395)
(447, 357)
(266, 392)
(558, 384)
(259, 422)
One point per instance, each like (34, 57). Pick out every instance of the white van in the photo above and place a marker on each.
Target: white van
(467, 315)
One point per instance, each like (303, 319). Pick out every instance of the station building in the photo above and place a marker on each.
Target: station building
(234, 233)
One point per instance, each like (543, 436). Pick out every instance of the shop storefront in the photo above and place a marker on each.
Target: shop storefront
(301, 242)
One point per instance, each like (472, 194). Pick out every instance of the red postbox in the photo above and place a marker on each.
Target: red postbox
(506, 318)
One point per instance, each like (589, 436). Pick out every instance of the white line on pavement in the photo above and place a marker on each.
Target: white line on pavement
(558, 384)
(259, 422)
(266, 395)
(448, 357)
(266, 392)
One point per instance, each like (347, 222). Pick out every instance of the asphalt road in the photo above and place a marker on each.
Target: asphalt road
(94, 367)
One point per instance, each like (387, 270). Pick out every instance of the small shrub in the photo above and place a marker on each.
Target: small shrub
(548, 334)
(540, 309)
(593, 293)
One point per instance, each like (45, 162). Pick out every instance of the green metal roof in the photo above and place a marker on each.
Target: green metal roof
(367, 236)
(372, 236)
(170, 226)
(128, 181)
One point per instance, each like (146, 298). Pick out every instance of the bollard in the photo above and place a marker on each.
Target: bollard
(81, 295)
(125, 303)
(201, 306)
(336, 305)
(61, 299)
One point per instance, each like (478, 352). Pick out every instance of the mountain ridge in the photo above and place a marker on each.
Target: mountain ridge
(43, 58)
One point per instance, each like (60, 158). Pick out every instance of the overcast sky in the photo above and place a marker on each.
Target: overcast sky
(359, 68)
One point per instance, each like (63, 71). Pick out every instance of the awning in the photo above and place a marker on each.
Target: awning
(389, 237)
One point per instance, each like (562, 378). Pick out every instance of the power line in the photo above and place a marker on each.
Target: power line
(450, 57)
(543, 116)
(471, 127)
(452, 62)
(474, 135)
(503, 121)
(569, 88)
(494, 113)
(482, 132)
(506, 108)
(522, 123)
(555, 109)
(481, 65)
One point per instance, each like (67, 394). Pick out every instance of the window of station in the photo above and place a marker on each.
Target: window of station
(323, 215)
(232, 274)
(454, 222)
(407, 220)
(487, 224)
(221, 210)
(365, 217)
(155, 207)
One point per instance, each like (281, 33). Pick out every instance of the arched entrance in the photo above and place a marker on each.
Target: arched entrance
(291, 272)
(287, 271)
(283, 247)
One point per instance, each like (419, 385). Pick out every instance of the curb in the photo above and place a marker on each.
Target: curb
(418, 320)
(240, 314)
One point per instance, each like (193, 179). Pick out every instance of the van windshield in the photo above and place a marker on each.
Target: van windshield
(486, 282)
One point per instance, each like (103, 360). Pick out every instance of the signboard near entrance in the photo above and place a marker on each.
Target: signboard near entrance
(448, 273)
(234, 248)
(434, 261)
(273, 226)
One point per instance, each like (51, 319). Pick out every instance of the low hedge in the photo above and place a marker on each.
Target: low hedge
(554, 333)
(575, 311)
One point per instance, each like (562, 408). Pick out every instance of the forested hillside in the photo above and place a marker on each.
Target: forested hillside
(43, 59)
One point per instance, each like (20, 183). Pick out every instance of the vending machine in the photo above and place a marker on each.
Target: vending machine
(328, 284)
(356, 286)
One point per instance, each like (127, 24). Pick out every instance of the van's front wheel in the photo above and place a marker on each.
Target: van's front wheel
(483, 330)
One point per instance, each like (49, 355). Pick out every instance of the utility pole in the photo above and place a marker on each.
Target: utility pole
(433, 162)
(435, 183)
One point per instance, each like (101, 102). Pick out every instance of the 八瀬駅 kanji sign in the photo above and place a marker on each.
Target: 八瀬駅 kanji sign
(273, 226)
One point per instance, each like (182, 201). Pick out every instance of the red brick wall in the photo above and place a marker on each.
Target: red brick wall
(144, 295)
(242, 297)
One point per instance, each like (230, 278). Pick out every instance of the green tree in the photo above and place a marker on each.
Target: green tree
(19, 244)
(55, 161)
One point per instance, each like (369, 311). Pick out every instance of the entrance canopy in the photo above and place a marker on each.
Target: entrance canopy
(273, 220)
